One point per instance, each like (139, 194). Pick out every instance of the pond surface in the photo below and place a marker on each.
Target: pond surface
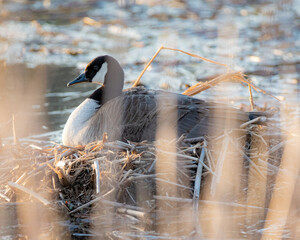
(45, 44)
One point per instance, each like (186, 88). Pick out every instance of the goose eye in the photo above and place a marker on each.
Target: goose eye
(96, 68)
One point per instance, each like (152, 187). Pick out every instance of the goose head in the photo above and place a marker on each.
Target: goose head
(106, 71)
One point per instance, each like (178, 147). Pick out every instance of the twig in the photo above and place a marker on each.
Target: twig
(62, 177)
(14, 130)
(125, 176)
(83, 235)
(187, 157)
(28, 191)
(65, 146)
(144, 70)
(122, 205)
(194, 140)
(188, 200)
(92, 202)
(202, 86)
(123, 144)
(241, 77)
(181, 138)
(197, 189)
(178, 50)
(249, 160)
(174, 199)
(36, 147)
(45, 164)
(132, 178)
(190, 166)
(198, 175)
(210, 163)
(172, 183)
(251, 98)
(270, 165)
(41, 166)
(5, 197)
(197, 56)
(18, 181)
(132, 235)
(150, 169)
(131, 212)
(111, 145)
(260, 137)
(97, 176)
(277, 147)
(237, 76)
(258, 119)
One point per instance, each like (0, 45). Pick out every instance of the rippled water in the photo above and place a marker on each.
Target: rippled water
(45, 44)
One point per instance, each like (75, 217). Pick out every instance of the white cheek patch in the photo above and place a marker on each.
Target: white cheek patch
(100, 76)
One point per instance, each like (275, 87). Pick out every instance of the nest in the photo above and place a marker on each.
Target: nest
(163, 190)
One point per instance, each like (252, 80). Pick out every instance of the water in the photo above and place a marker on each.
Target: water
(45, 44)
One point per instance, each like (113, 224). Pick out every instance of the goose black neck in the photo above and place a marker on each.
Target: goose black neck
(113, 82)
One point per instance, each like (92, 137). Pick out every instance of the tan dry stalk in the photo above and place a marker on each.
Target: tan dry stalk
(23, 189)
(199, 87)
(14, 129)
(178, 50)
(257, 186)
(251, 98)
(284, 191)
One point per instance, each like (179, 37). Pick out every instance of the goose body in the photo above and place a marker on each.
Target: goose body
(134, 114)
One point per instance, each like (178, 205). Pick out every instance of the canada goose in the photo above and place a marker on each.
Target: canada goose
(132, 114)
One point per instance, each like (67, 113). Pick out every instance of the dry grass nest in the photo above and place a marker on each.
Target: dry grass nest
(125, 190)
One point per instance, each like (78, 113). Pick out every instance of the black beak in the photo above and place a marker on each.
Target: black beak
(81, 78)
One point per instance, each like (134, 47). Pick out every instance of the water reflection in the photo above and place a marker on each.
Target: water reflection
(22, 94)
(38, 98)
